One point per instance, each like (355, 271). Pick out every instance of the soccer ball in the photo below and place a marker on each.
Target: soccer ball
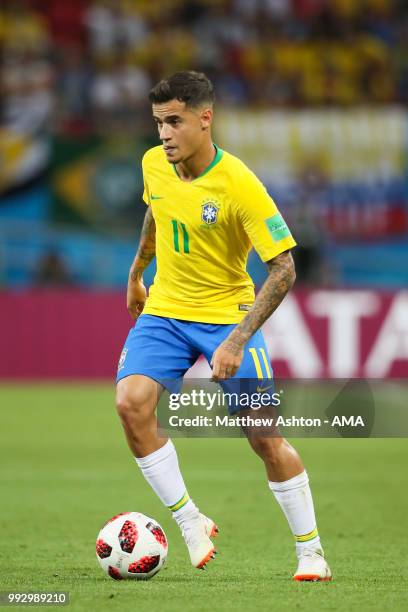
(131, 545)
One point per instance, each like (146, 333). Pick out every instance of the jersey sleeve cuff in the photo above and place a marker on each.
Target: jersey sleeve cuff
(284, 245)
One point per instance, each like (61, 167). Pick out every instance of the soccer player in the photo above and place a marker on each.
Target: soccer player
(205, 210)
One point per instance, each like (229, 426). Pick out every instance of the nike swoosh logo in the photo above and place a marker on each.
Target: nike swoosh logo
(263, 389)
(154, 197)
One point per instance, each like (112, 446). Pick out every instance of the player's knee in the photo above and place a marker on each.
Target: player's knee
(268, 448)
(132, 404)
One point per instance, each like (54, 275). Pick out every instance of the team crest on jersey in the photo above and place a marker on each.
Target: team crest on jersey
(209, 213)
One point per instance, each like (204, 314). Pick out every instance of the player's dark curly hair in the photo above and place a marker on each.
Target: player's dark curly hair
(193, 88)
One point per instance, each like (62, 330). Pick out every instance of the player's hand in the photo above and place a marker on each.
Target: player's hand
(226, 360)
(136, 297)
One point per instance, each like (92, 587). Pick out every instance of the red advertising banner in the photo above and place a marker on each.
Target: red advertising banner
(315, 334)
(340, 334)
(61, 334)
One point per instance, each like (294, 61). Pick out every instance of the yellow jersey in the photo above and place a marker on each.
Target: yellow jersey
(204, 231)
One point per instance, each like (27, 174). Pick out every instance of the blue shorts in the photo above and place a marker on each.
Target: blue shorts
(164, 349)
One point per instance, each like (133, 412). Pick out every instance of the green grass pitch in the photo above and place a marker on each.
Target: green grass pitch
(65, 469)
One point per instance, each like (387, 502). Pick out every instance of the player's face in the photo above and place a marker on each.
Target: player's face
(181, 129)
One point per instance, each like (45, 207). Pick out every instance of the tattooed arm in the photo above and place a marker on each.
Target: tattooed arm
(228, 356)
(136, 291)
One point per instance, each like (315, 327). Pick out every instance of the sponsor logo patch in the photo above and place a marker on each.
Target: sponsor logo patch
(244, 307)
(277, 227)
(264, 389)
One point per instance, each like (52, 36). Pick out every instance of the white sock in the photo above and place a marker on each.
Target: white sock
(295, 499)
(162, 472)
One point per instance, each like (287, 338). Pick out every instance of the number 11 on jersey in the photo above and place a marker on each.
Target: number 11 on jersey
(179, 231)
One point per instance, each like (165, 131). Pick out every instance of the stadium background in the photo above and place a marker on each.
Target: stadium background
(312, 94)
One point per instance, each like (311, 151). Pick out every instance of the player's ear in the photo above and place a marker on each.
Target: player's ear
(206, 118)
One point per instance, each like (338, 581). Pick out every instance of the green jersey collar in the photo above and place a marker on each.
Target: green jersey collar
(218, 156)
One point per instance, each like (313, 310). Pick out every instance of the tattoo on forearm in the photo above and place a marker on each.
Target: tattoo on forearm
(280, 279)
(147, 247)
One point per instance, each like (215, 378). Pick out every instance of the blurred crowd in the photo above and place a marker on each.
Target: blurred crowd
(85, 63)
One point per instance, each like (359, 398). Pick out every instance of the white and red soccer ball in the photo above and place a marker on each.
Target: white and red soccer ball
(131, 546)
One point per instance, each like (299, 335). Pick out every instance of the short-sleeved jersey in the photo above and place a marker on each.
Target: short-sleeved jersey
(204, 231)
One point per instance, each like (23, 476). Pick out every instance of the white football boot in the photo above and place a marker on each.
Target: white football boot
(197, 531)
(312, 566)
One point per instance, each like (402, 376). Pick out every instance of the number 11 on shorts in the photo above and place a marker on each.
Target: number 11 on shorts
(257, 362)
